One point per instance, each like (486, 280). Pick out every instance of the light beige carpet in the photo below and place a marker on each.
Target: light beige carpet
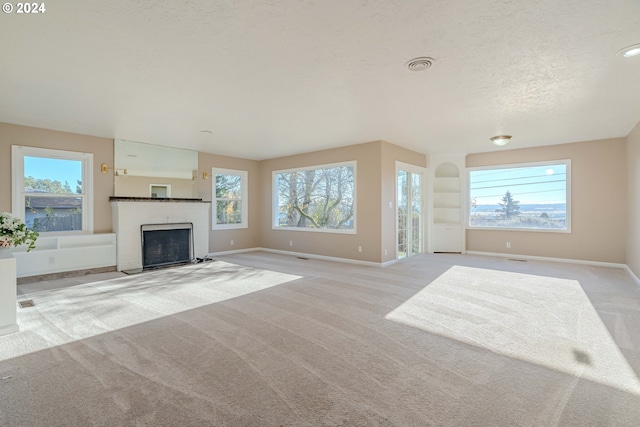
(260, 339)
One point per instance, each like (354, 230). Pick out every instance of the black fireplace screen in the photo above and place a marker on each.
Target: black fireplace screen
(164, 247)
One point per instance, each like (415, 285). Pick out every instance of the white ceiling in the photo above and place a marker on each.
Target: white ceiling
(278, 77)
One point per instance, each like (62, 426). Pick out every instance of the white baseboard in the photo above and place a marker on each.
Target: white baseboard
(323, 257)
(9, 329)
(542, 258)
(388, 263)
(305, 255)
(633, 275)
(235, 251)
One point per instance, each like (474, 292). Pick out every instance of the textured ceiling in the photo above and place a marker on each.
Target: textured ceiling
(278, 77)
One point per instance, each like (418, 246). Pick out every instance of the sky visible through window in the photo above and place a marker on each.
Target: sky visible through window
(525, 197)
(54, 169)
(534, 184)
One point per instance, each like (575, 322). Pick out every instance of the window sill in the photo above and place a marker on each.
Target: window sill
(534, 230)
(316, 230)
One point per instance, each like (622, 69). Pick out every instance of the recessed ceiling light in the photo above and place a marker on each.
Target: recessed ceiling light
(629, 51)
(420, 64)
(501, 140)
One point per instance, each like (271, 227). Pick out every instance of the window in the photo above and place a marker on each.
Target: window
(321, 198)
(231, 201)
(534, 196)
(409, 221)
(160, 191)
(52, 189)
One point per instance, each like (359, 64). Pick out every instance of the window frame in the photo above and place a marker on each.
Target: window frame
(244, 212)
(19, 152)
(422, 172)
(275, 194)
(167, 188)
(565, 162)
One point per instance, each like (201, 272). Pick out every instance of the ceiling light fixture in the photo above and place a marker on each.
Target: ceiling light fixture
(629, 51)
(501, 140)
(206, 131)
(420, 64)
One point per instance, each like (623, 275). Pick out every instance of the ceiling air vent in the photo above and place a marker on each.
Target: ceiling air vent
(420, 64)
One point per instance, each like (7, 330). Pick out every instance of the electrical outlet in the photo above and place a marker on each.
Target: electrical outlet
(232, 243)
(290, 242)
(359, 248)
(508, 245)
(385, 252)
(52, 260)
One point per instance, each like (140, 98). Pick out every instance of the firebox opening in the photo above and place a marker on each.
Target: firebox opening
(166, 245)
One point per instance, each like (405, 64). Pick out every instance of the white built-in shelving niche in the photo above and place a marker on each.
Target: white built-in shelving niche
(447, 195)
(447, 231)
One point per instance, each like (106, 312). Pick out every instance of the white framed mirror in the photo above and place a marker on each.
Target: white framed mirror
(172, 171)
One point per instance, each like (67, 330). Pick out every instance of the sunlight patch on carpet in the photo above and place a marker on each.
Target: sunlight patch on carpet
(70, 314)
(543, 320)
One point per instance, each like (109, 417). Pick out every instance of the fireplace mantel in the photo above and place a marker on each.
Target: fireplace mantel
(155, 200)
(130, 213)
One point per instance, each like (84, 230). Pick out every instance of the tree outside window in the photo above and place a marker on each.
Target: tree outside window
(322, 198)
(230, 195)
(52, 191)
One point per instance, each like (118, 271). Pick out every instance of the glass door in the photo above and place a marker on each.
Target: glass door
(409, 210)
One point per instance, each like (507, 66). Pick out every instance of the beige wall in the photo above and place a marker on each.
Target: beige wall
(390, 155)
(375, 187)
(633, 200)
(598, 204)
(102, 149)
(605, 201)
(244, 238)
(367, 157)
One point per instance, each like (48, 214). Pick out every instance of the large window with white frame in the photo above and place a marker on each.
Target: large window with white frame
(53, 189)
(319, 198)
(528, 196)
(230, 195)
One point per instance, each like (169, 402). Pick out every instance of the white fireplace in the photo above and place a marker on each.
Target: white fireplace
(130, 214)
